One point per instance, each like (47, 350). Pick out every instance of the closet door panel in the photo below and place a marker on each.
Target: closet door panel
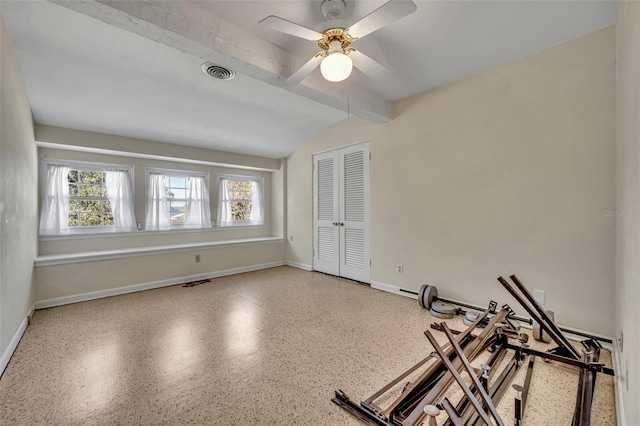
(355, 249)
(325, 213)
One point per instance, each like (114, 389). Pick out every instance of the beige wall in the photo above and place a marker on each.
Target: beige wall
(79, 138)
(70, 245)
(628, 202)
(278, 201)
(18, 195)
(508, 171)
(79, 278)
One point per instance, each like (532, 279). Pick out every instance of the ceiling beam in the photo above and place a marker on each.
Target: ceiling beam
(191, 29)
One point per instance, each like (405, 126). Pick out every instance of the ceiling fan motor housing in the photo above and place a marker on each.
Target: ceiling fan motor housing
(332, 9)
(332, 35)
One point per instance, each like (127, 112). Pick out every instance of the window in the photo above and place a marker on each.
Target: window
(86, 197)
(177, 200)
(88, 202)
(240, 201)
(176, 190)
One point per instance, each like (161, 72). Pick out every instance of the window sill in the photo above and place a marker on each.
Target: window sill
(62, 259)
(91, 235)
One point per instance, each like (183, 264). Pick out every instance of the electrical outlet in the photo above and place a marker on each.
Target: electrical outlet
(539, 296)
(621, 341)
(197, 258)
(399, 268)
(291, 237)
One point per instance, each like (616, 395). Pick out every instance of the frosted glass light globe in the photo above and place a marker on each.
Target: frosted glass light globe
(336, 67)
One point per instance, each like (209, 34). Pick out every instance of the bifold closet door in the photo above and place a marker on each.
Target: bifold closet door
(325, 213)
(341, 224)
(355, 248)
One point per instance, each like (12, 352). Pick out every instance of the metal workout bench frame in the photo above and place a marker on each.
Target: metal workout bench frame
(424, 397)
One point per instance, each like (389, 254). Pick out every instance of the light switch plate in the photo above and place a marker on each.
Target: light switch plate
(539, 296)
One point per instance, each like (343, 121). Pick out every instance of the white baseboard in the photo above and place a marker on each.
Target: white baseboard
(8, 353)
(59, 301)
(618, 384)
(299, 265)
(392, 289)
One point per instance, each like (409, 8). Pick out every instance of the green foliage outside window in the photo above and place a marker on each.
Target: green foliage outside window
(240, 194)
(88, 204)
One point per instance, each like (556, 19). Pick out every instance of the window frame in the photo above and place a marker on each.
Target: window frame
(175, 173)
(242, 178)
(89, 166)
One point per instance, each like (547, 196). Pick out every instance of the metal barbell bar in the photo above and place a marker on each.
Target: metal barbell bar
(429, 294)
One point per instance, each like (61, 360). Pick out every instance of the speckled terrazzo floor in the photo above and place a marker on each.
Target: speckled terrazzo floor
(262, 348)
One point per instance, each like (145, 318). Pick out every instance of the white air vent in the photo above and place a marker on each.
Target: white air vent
(216, 71)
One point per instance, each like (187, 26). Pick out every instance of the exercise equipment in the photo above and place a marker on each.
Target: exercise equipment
(538, 333)
(443, 310)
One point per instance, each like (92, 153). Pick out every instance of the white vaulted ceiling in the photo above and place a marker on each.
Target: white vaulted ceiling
(132, 68)
(441, 42)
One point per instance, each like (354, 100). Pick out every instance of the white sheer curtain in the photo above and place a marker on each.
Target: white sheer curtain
(198, 212)
(121, 199)
(257, 207)
(157, 218)
(224, 205)
(54, 217)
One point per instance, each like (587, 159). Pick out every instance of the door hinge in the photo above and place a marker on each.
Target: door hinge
(369, 156)
(369, 262)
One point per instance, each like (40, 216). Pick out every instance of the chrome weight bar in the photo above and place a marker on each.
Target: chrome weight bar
(429, 294)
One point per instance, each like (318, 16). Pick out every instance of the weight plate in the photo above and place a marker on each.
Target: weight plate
(440, 315)
(427, 295)
(443, 307)
(536, 331)
(423, 287)
(470, 317)
(432, 294)
(539, 333)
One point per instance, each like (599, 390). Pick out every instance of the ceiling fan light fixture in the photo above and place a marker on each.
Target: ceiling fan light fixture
(334, 42)
(336, 67)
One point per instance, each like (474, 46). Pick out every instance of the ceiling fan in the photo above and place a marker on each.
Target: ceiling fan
(337, 58)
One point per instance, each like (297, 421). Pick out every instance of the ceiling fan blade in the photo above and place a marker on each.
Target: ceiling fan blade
(387, 13)
(288, 27)
(371, 68)
(304, 70)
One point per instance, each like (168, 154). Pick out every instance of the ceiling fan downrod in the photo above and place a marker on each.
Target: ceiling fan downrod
(332, 9)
